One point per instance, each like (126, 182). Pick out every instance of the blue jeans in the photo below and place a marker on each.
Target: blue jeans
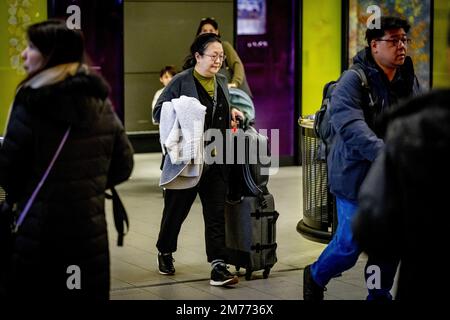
(342, 253)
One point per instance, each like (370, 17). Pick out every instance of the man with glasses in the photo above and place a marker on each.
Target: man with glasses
(357, 142)
(402, 209)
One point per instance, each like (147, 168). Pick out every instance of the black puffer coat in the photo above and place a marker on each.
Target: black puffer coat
(404, 210)
(66, 224)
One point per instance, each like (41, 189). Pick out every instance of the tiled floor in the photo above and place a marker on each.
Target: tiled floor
(134, 272)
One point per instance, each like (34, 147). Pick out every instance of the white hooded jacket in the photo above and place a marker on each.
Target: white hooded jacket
(181, 134)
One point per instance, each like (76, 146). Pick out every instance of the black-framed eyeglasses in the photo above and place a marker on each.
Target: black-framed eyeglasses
(208, 18)
(214, 57)
(396, 42)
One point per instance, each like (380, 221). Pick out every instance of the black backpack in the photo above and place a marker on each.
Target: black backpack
(322, 125)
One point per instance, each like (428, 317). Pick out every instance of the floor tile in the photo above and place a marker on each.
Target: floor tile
(134, 270)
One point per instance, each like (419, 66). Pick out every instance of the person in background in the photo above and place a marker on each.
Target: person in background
(357, 142)
(232, 68)
(165, 75)
(66, 226)
(200, 80)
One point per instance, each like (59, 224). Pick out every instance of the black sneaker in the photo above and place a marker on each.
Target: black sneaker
(220, 276)
(165, 263)
(311, 290)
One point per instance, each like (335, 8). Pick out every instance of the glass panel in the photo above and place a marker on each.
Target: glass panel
(15, 18)
(441, 51)
(102, 26)
(417, 13)
(268, 58)
(251, 17)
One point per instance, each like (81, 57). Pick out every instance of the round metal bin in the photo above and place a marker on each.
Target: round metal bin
(319, 214)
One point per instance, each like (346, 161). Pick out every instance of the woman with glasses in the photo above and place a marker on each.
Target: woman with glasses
(232, 68)
(199, 80)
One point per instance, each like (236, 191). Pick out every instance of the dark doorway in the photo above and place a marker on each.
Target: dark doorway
(102, 26)
(267, 42)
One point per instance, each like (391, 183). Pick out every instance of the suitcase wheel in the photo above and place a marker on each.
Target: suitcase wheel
(266, 273)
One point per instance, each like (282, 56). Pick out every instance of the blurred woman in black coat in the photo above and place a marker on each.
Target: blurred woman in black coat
(66, 224)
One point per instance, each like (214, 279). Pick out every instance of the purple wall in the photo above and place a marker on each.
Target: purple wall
(102, 25)
(270, 68)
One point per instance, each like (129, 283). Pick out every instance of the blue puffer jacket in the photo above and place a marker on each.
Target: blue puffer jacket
(356, 144)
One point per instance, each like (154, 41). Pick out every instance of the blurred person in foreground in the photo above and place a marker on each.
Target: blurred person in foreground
(65, 226)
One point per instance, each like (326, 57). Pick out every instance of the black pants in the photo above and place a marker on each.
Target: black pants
(212, 190)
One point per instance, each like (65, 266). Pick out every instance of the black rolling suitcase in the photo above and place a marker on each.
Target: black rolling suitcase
(251, 234)
(250, 222)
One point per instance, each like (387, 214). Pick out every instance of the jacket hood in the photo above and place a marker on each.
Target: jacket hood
(78, 100)
(365, 59)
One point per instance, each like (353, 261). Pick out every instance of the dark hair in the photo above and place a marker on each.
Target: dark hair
(199, 45)
(208, 20)
(386, 23)
(169, 69)
(57, 43)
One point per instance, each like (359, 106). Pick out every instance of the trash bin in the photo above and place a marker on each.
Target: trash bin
(319, 213)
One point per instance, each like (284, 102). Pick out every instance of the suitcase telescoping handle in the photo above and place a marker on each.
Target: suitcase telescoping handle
(248, 178)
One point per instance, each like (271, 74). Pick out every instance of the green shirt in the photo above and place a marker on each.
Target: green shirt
(233, 68)
(207, 83)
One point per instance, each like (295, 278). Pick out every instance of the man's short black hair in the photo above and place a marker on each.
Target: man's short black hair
(386, 23)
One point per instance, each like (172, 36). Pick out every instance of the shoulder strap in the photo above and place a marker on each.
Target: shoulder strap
(361, 74)
(120, 215)
(30, 201)
(356, 68)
